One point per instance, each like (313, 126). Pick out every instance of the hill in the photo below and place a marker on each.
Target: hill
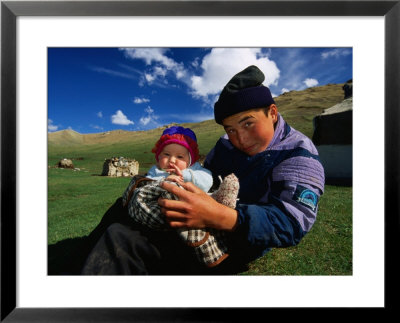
(300, 107)
(65, 137)
(297, 107)
(73, 138)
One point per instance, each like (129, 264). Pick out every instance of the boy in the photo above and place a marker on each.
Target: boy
(280, 175)
(281, 180)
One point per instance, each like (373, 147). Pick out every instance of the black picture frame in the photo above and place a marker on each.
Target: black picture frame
(10, 10)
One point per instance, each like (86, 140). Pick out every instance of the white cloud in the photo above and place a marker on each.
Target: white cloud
(50, 126)
(160, 71)
(180, 74)
(156, 56)
(137, 100)
(149, 55)
(196, 63)
(120, 119)
(284, 90)
(149, 110)
(149, 118)
(145, 120)
(96, 127)
(336, 53)
(218, 67)
(100, 114)
(221, 64)
(113, 73)
(310, 82)
(149, 77)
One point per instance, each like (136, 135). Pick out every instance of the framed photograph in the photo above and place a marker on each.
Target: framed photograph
(29, 28)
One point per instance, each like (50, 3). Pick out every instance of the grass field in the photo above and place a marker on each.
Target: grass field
(77, 199)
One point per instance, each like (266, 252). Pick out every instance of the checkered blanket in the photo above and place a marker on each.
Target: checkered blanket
(141, 200)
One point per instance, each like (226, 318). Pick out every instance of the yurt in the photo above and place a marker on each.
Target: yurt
(333, 137)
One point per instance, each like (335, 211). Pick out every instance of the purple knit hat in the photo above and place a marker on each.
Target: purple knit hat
(180, 130)
(181, 136)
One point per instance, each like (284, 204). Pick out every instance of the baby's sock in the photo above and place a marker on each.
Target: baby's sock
(228, 191)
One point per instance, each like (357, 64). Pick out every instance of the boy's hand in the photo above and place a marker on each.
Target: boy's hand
(196, 209)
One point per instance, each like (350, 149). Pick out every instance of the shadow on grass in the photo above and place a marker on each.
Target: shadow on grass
(68, 256)
(347, 182)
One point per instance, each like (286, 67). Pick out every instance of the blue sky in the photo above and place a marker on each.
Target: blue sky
(102, 89)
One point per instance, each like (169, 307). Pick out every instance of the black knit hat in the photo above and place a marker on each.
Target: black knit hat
(243, 92)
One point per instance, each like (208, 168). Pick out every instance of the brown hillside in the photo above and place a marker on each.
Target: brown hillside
(297, 107)
(65, 137)
(321, 97)
(300, 107)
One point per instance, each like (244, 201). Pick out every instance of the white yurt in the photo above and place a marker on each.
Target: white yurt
(333, 137)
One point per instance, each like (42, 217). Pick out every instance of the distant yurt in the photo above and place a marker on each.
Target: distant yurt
(333, 137)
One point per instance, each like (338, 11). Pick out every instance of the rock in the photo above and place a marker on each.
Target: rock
(65, 163)
(120, 167)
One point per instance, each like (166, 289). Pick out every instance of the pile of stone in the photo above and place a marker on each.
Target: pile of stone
(65, 163)
(120, 167)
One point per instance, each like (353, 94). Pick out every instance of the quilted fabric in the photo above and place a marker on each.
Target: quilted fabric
(141, 198)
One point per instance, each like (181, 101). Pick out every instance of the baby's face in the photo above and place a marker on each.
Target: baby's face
(174, 154)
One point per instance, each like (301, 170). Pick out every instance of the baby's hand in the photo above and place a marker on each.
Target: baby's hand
(175, 178)
(174, 170)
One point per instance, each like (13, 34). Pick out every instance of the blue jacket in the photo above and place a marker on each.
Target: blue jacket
(279, 190)
(196, 174)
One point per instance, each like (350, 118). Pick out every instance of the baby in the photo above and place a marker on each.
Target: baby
(177, 155)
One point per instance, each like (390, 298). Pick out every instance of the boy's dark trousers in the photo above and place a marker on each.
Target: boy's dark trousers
(118, 246)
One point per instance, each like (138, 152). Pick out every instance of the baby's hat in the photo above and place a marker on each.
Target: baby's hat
(181, 136)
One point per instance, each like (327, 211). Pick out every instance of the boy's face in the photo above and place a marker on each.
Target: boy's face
(174, 154)
(251, 131)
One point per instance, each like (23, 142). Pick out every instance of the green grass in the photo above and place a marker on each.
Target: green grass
(77, 200)
(325, 250)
